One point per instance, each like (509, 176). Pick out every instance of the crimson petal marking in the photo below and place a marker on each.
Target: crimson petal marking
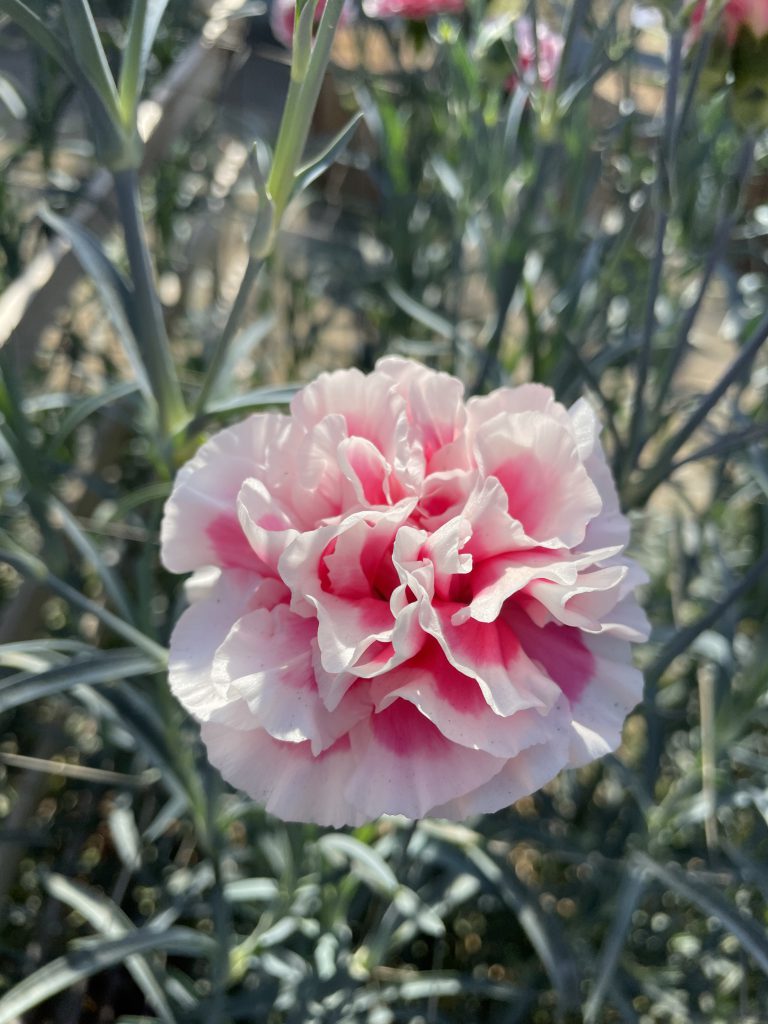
(492, 654)
(199, 525)
(366, 470)
(455, 703)
(560, 650)
(267, 659)
(535, 459)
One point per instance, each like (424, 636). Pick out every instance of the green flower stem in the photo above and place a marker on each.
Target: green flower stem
(307, 73)
(148, 322)
(303, 94)
(662, 192)
(230, 329)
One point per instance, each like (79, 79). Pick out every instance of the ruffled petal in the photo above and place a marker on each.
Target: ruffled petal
(200, 525)
(455, 703)
(286, 778)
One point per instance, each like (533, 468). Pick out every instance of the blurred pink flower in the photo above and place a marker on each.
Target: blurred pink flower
(282, 18)
(751, 14)
(412, 10)
(403, 603)
(550, 47)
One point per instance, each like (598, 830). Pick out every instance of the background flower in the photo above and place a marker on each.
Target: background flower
(550, 49)
(418, 605)
(736, 14)
(411, 10)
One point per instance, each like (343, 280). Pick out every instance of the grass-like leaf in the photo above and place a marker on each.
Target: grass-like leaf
(110, 921)
(85, 42)
(113, 290)
(317, 165)
(146, 16)
(711, 902)
(93, 669)
(66, 971)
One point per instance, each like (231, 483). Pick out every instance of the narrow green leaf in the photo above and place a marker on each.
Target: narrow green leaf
(112, 288)
(39, 32)
(104, 667)
(420, 312)
(558, 960)
(86, 961)
(111, 582)
(628, 898)
(125, 833)
(243, 345)
(108, 919)
(365, 862)
(312, 169)
(91, 59)
(81, 410)
(10, 96)
(146, 16)
(255, 399)
(251, 890)
(31, 566)
(712, 903)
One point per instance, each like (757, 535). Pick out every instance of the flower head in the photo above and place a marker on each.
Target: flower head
(411, 10)
(549, 46)
(403, 602)
(736, 14)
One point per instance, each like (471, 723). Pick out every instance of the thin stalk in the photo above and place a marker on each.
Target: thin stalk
(247, 283)
(722, 235)
(662, 189)
(31, 567)
(666, 459)
(303, 93)
(307, 74)
(511, 269)
(147, 312)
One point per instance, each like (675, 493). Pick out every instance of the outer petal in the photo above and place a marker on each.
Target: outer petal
(199, 633)
(599, 711)
(536, 461)
(267, 660)
(405, 765)
(285, 777)
(610, 527)
(435, 410)
(520, 776)
(200, 524)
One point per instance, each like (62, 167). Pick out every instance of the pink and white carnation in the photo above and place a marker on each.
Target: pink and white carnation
(548, 46)
(402, 602)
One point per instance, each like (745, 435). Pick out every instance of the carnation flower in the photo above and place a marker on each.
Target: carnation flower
(550, 49)
(736, 14)
(412, 10)
(403, 602)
